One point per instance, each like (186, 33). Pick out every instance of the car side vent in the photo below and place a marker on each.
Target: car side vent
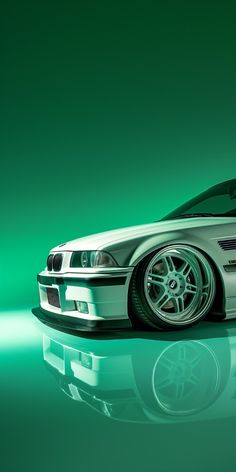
(227, 244)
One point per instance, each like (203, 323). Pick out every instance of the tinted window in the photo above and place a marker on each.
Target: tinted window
(219, 200)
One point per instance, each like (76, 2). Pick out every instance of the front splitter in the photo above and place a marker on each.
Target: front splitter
(71, 323)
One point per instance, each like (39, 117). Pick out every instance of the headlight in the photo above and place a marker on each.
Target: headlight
(92, 259)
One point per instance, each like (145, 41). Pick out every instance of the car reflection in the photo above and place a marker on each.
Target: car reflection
(151, 380)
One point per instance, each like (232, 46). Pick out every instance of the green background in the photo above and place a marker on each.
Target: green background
(112, 114)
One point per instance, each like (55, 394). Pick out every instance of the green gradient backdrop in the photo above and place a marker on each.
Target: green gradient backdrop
(112, 113)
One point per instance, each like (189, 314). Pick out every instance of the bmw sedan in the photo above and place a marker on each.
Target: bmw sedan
(169, 274)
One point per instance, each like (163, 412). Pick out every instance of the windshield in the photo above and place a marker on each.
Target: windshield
(219, 200)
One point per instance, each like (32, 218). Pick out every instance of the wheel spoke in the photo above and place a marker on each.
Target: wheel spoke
(167, 363)
(170, 264)
(164, 382)
(191, 288)
(185, 269)
(195, 362)
(182, 356)
(205, 289)
(194, 379)
(154, 282)
(180, 390)
(179, 304)
(158, 279)
(162, 300)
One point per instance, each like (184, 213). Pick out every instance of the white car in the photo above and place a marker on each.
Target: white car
(164, 275)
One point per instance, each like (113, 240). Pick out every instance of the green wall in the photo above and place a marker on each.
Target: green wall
(112, 114)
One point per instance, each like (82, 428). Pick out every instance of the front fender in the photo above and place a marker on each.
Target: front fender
(154, 243)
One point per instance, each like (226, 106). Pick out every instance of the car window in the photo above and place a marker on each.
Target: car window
(214, 204)
(219, 200)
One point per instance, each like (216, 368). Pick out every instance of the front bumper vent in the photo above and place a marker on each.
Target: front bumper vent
(53, 297)
(227, 244)
(54, 262)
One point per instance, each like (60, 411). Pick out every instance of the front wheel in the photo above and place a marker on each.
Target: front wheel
(172, 288)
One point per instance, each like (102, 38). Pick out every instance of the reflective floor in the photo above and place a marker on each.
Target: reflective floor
(124, 400)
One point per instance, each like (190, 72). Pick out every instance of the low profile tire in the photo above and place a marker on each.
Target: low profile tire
(173, 288)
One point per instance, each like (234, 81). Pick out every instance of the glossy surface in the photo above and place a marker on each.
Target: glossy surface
(117, 401)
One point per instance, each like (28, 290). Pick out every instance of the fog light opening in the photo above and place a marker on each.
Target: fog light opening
(86, 360)
(82, 307)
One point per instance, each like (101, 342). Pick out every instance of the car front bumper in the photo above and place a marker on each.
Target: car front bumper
(85, 301)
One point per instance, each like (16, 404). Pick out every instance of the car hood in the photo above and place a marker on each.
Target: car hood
(107, 239)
